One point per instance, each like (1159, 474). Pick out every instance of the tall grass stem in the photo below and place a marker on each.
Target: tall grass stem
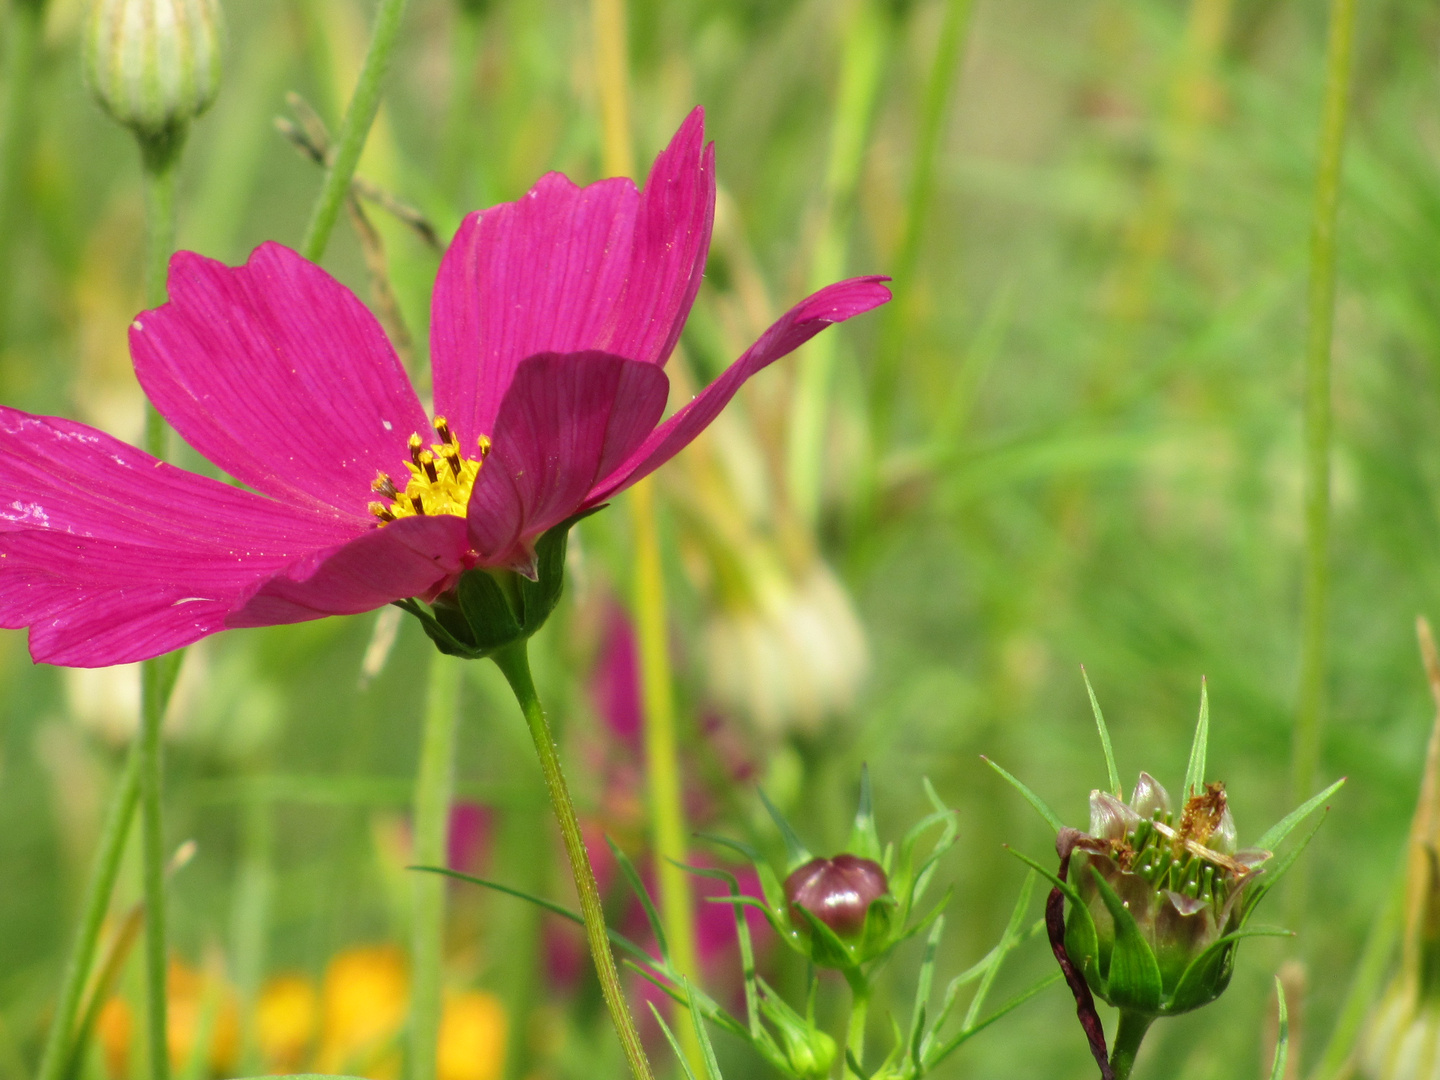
(354, 129)
(24, 41)
(434, 787)
(514, 664)
(662, 766)
(98, 888)
(1310, 714)
(864, 49)
(900, 313)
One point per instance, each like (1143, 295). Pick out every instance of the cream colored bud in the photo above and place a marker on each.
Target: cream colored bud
(154, 65)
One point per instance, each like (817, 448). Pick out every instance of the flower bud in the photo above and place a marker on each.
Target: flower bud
(836, 891)
(154, 65)
(1150, 798)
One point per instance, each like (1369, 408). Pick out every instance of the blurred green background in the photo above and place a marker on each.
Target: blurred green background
(1075, 438)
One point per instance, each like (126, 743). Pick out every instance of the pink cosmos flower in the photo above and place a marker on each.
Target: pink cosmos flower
(552, 319)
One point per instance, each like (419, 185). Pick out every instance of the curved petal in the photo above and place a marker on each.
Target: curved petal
(57, 475)
(570, 269)
(409, 557)
(278, 374)
(832, 304)
(566, 421)
(541, 274)
(93, 602)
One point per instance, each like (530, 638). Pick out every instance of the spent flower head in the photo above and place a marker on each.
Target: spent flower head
(1151, 902)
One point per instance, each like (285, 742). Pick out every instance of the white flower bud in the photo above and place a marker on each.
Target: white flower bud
(154, 65)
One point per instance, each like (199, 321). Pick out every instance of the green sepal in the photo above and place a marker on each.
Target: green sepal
(492, 620)
(864, 838)
(808, 1052)
(1110, 768)
(879, 924)
(796, 853)
(826, 948)
(1051, 818)
(441, 633)
(1282, 828)
(1195, 768)
(1209, 973)
(1133, 979)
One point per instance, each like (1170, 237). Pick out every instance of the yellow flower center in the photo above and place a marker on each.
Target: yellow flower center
(440, 479)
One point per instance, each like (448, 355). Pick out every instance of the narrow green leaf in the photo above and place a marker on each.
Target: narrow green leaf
(1010, 1006)
(742, 935)
(1008, 941)
(1133, 981)
(1282, 1043)
(1195, 770)
(619, 940)
(1052, 818)
(707, 1005)
(707, 1051)
(1272, 873)
(674, 1042)
(922, 987)
(1277, 833)
(1115, 788)
(864, 838)
(796, 853)
(632, 876)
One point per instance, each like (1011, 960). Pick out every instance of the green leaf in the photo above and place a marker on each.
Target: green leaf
(707, 1005)
(638, 886)
(619, 940)
(1008, 941)
(1115, 788)
(707, 1051)
(948, 1048)
(1271, 874)
(864, 839)
(1034, 800)
(826, 947)
(1277, 833)
(796, 853)
(922, 988)
(674, 1042)
(1195, 770)
(1282, 1043)
(742, 935)
(1133, 981)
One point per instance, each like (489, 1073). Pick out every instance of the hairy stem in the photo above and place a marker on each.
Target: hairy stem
(354, 129)
(514, 663)
(434, 786)
(1311, 711)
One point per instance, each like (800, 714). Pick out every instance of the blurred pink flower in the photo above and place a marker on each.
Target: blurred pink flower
(468, 849)
(552, 318)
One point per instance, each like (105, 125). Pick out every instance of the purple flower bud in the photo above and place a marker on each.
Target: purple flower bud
(836, 891)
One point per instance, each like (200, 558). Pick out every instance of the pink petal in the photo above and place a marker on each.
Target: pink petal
(278, 374)
(832, 304)
(539, 275)
(566, 421)
(570, 269)
(91, 602)
(66, 477)
(110, 555)
(672, 239)
(410, 557)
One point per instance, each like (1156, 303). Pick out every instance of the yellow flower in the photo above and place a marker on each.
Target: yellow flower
(364, 1001)
(286, 1017)
(472, 1037)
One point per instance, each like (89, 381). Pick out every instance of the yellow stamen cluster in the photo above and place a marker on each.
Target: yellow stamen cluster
(440, 478)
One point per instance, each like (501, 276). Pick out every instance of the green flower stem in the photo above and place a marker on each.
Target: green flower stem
(1128, 1038)
(434, 785)
(354, 128)
(160, 159)
(97, 901)
(859, 1012)
(514, 664)
(866, 44)
(662, 763)
(900, 312)
(1310, 713)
